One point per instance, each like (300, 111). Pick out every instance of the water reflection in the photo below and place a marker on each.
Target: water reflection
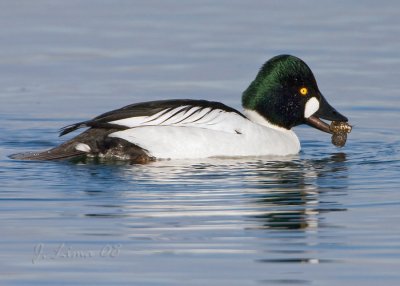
(294, 190)
(278, 195)
(295, 198)
(181, 207)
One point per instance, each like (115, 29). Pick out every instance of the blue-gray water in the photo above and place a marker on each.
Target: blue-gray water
(328, 216)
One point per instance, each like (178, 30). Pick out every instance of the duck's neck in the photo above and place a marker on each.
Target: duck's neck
(255, 100)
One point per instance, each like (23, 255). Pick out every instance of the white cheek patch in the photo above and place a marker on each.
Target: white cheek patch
(312, 106)
(83, 147)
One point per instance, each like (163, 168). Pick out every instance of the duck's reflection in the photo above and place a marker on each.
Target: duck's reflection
(293, 191)
(283, 194)
(280, 203)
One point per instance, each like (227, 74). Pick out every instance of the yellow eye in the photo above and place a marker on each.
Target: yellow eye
(303, 91)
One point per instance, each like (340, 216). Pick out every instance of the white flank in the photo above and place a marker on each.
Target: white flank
(312, 106)
(219, 133)
(83, 147)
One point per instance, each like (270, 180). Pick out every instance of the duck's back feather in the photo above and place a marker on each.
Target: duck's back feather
(150, 112)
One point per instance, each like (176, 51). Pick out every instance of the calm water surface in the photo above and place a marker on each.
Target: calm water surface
(327, 216)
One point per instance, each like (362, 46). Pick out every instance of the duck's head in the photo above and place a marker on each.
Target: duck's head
(285, 93)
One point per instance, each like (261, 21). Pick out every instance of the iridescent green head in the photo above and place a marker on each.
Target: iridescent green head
(286, 94)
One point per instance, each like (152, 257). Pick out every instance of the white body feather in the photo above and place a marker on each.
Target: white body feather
(202, 132)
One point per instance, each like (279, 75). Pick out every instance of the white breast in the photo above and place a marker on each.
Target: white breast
(219, 133)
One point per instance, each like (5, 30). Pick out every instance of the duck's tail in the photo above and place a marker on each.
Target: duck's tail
(52, 154)
(92, 142)
(73, 148)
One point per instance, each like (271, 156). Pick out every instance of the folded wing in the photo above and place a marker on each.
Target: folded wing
(183, 113)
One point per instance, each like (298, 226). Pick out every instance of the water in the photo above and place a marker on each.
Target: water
(327, 216)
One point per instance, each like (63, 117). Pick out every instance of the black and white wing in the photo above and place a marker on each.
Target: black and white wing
(180, 112)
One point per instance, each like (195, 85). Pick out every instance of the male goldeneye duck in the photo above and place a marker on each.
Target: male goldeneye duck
(284, 94)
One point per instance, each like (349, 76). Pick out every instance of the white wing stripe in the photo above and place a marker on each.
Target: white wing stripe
(162, 116)
(187, 116)
(209, 119)
(203, 112)
(181, 116)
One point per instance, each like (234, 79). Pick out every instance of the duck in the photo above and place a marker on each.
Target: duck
(284, 94)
